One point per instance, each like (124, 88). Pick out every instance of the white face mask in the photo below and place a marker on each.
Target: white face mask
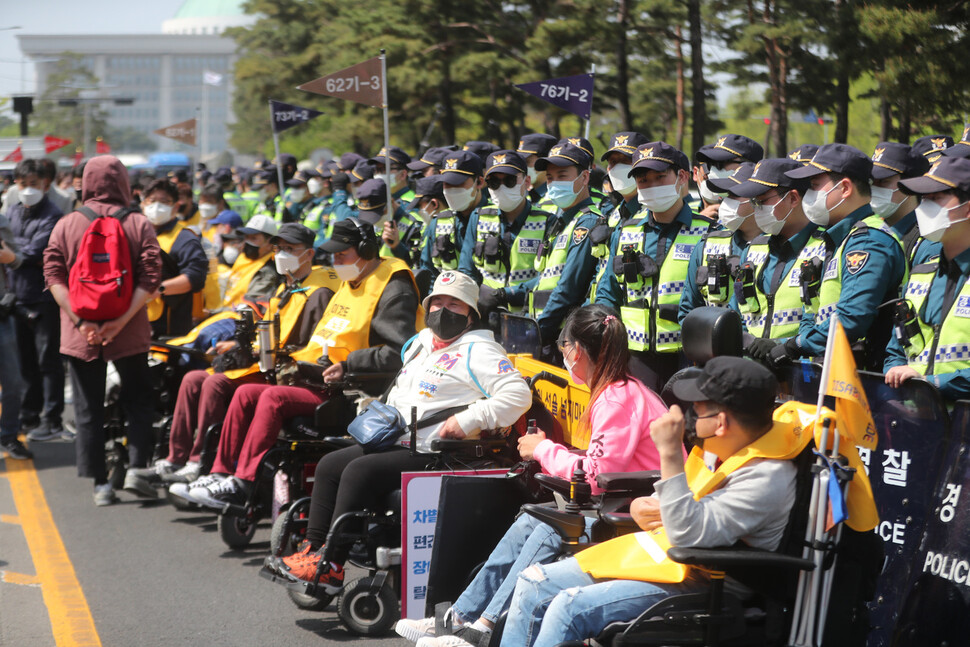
(388, 180)
(287, 263)
(933, 220)
(230, 254)
(459, 199)
(262, 195)
(573, 375)
(208, 211)
(314, 185)
(659, 198)
(882, 201)
(297, 195)
(30, 196)
(506, 198)
(727, 214)
(707, 192)
(815, 207)
(158, 214)
(764, 216)
(620, 178)
(533, 175)
(426, 214)
(348, 272)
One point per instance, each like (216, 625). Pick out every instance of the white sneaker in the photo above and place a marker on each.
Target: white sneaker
(154, 473)
(415, 630)
(104, 495)
(187, 474)
(217, 495)
(443, 641)
(184, 490)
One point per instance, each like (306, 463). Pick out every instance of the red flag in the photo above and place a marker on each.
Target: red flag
(52, 143)
(360, 83)
(101, 147)
(16, 155)
(78, 156)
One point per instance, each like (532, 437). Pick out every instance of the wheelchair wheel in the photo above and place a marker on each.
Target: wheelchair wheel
(367, 613)
(305, 602)
(235, 531)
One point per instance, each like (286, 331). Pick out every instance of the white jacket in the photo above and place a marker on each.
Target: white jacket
(472, 370)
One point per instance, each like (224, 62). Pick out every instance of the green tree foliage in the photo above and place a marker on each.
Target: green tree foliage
(70, 79)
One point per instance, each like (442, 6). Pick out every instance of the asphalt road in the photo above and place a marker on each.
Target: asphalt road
(150, 575)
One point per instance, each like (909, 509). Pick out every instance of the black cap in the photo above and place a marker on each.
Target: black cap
(299, 178)
(294, 232)
(836, 158)
(932, 146)
(962, 147)
(348, 233)
(948, 173)
(265, 177)
(535, 144)
(731, 148)
(458, 166)
(397, 156)
(803, 153)
(427, 187)
(893, 158)
(286, 159)
(659, 156)
(505, 162)
(371, 200)
(769, 174)
(223, 175)
(362, 171)
(565, 154)
(482, 149)
(734, 382)
(625, 143)
(348, 161)
(728, 184)
(431, 157)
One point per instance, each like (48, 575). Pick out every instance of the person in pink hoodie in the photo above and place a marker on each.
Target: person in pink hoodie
(593, 343)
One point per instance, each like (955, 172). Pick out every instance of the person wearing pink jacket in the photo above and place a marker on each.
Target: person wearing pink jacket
(593, 343)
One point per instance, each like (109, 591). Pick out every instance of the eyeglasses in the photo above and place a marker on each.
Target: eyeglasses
(494, 182)
(762, 202)
(561, 345)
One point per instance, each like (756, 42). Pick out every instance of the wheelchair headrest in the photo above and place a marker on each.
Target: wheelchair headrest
(708, 332)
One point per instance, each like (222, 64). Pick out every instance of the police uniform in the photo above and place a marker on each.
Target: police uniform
(272, 207)
(344, 204)
(446, 234)
(728, 149)
(891, 159)
(537, 144)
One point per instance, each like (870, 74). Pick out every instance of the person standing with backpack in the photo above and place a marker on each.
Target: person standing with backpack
(102, 266)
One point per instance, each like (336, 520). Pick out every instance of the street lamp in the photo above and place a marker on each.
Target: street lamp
(86, 102)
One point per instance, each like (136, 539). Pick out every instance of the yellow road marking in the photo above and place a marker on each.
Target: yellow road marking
(20, 578)
(10, 518)
(70, 616)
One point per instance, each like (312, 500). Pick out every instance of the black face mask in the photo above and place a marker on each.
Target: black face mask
(446, 324)
(251, 251)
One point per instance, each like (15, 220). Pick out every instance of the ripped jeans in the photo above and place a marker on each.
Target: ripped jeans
(557, 602)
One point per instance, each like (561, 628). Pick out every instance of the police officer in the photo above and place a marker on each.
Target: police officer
(316, 215)
(480, 148)
(408, 244)
(962, 147)
(602, 201)
(248, 194)
(372, 202)
(891, 162)
(340, 182)
(866, 268)
(269, 203)
(714, 261)
(445, 242)
(508, 231)
(648, 261)
(768, 288)
(532, 147)
(804, 153)
(429, 163)
(720, 160)
(224, 177)
(298, 198)
(932, 146)
(396, 177)
(933, 323)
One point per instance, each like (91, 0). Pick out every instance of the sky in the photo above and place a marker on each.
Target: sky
(70, 17)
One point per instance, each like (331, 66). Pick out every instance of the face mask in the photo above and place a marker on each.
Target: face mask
(348, 273)
(764, 216)
(426, 214)
(727, 214)
(314, 185)
(30, 196)
(707, 192)
(230, 254)
(562, 193)
(208, 211)
(385, 177)
(814, 206)
(621, 180)
(659, 198)
(158, 214)
(882, 201)
(533, 175)
(459, 199)
(262, 195)
(933, 220)
(251, 251)
(508, 199)
(287, 263)
(573, 375)
(446, 324)
(297, 195)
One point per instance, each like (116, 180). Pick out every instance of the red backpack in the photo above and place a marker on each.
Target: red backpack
(101, 282)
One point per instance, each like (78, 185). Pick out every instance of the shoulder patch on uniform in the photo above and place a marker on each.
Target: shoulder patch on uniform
(855, 261)
(579, 234)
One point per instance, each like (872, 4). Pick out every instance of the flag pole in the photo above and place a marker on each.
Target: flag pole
(586, 136)
(276, 146)
(387, 137)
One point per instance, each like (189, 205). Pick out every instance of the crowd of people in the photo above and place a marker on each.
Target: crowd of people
(607, 261)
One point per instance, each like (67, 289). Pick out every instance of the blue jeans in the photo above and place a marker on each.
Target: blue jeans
(559, 602)
(11, 382)
(528, 541)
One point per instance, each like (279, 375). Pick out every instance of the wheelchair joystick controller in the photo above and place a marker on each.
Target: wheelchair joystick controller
(577, 485)
(531, 428)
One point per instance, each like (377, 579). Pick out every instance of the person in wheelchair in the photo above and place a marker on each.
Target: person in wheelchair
(744, 497)
(594, 346)
(451, 366)
(367, 322)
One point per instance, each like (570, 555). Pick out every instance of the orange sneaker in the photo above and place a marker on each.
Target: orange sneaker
(298, 557)
(331, 579)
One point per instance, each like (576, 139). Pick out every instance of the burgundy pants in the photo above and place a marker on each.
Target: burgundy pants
(253, 422)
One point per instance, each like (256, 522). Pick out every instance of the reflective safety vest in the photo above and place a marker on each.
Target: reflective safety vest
(831, 288)
(236, 203)
(242, 274)
(319, 277)
(251, 201)
(715, 283)
(774, 316)
(411, 229)
(445, 245)
(165, 240)
(275, 212)
(507, 261)
(345, 325)
(318, 216)
(945, 347)
(642, 556)
(643, 295)
(550, 263)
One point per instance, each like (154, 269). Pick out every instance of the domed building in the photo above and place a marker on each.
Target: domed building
(207, 17)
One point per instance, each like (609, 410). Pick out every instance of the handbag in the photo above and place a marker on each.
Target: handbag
(377, 427)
